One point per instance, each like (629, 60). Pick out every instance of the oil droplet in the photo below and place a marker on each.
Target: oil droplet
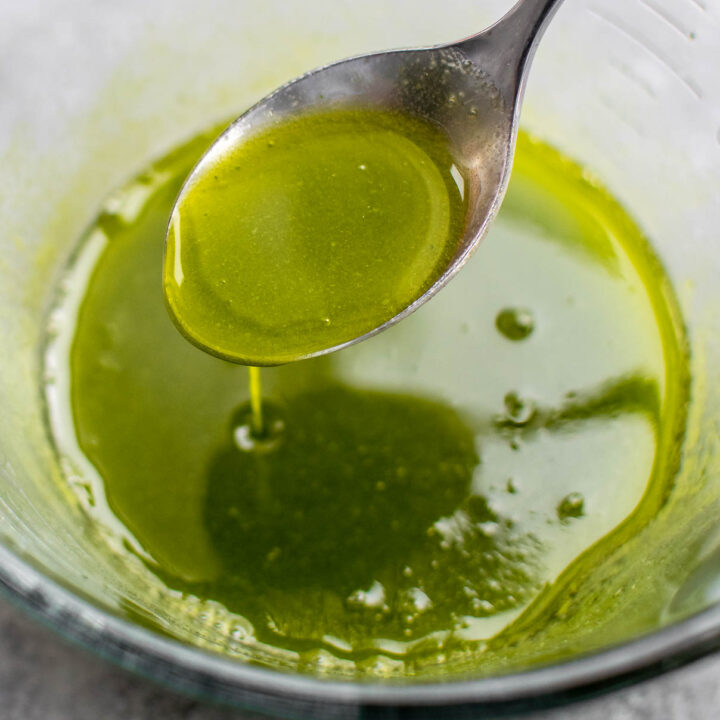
(571, 506)
(372, 598)
(316, 660)
(415, 601)
(380, 666)
(518, 411)
(515, 323)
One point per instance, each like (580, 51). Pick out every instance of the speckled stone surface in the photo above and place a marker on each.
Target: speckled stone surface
(43, 678)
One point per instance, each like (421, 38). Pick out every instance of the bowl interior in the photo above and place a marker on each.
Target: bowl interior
(93, 91)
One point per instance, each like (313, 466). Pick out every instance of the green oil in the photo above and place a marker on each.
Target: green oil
(312, 233)
(256, 411)
(424, 502)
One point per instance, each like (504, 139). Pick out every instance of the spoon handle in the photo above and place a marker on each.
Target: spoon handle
(505, 49)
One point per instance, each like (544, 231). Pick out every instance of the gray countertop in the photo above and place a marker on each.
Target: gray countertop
(44, 678)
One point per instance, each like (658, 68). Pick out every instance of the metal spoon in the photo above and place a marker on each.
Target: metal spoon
(472, 88)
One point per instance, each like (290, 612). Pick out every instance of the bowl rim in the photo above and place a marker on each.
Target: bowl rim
(207, 675)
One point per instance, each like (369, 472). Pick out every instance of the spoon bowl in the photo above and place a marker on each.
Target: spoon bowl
(472, 89)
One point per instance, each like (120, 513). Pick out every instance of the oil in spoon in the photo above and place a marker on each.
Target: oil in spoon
(312, 233)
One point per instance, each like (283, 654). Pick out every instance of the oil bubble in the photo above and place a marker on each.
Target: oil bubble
(372, 598)
(415, 601)
(515, 323)
(518, 411)
(571, 506)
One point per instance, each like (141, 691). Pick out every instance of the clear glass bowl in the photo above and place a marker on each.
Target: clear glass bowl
(92, 91)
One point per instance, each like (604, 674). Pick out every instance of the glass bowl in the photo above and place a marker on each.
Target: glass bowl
(92, 91)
